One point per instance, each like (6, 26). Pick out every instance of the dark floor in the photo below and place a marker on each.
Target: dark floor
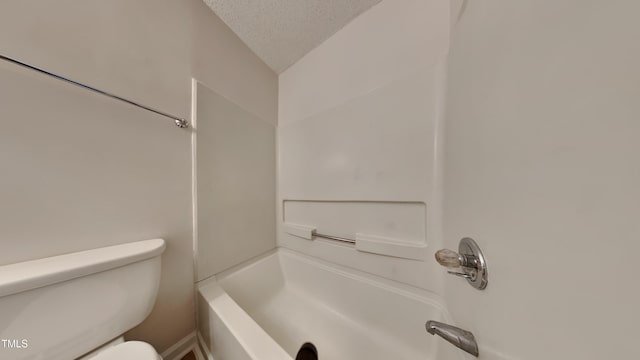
(189, 356)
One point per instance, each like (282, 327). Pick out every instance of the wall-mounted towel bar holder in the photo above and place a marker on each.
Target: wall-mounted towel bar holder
(469, 259)
(180, 122)
(334, 238)
(365, 243)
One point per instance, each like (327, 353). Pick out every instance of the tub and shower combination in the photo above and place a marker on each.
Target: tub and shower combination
(268, 308)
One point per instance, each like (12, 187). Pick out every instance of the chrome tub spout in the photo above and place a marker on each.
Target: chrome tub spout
(462, 339)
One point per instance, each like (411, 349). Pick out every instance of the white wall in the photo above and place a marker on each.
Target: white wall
(358, 121)
(542, 170)
(236, 184)
(80, 171)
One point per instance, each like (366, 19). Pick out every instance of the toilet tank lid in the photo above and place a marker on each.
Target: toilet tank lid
(130, 350)
(28, 275)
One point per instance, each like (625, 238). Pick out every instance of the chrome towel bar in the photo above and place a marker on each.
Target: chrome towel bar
(400, 248)
(335, 238)
(309, 232)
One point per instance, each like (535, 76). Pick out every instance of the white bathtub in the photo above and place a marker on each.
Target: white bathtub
(266, 309)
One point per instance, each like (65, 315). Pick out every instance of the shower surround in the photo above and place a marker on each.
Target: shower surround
(269, 307)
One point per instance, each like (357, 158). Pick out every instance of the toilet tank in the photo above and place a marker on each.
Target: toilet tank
(61, 307)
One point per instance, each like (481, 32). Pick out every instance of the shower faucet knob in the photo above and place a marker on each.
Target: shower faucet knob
(469, 259)
(449, 258)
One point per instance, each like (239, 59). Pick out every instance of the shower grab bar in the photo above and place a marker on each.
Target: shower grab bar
(366, 243)
(180, 122)
(309, 232)
(335, 238)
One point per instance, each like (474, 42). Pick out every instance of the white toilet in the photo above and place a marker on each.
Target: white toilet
(78, 305)
(129, 350)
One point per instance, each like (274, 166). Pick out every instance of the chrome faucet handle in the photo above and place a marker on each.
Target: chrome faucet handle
(453, 260)
(462, 275)
(469, 259)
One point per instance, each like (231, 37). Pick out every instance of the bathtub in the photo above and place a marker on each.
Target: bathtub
(268, 308)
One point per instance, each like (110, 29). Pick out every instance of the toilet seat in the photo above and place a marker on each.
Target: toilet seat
(129, 350)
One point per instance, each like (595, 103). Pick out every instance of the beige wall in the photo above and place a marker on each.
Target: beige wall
(358, 122)
(80, 171)
(542, 170)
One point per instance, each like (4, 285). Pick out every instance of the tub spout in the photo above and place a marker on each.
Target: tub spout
(462, 339)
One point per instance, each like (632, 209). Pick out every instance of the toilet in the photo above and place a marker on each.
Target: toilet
(130, 350)
(78, 305)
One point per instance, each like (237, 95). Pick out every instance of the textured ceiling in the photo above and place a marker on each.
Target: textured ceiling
(282, 31)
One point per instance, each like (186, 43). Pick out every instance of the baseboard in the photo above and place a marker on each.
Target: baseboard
(202, 349)
(199, 355)
(178, 350)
